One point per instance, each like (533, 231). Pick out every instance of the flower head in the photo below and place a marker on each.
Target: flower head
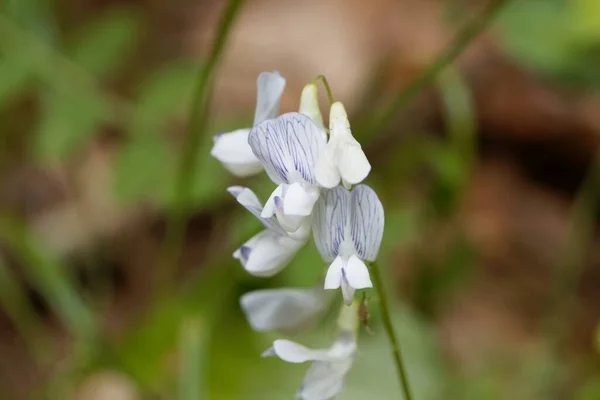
(271, 250)
(343, 158)
(288, 147)
(232, 148)
(287, 309)
(348, 228)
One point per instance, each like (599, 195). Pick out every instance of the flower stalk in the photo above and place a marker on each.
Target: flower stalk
(390, 331)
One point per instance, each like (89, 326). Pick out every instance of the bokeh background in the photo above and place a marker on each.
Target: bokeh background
(487, 175)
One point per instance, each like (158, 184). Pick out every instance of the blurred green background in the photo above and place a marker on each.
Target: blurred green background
(488, 177)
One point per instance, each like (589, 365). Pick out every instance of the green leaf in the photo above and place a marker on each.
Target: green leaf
(67, 123)
(163, 96)
(586, 20)
(144, 169)
(537, 33)
(106, 43)
(14, 80)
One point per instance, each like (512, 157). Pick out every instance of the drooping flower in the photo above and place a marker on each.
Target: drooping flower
(288, 147)
(343, 158)
(288, 310)
(271, 250)
(232, 148)
(348, 228)
(325, 378)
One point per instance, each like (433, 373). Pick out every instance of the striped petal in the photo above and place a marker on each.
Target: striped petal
(269, 87)
(367, 222)
(288, 147)
(330, 219)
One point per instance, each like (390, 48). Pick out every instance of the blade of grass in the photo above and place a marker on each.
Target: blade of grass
(464, 37)
(191, 359)
(49, 276)
(186, 173)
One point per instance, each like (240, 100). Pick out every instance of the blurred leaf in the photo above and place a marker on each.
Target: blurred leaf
(14, 80)
(536, 32)
(589, 391)
(67, 123)
(106, 43)
(586, 20)
(34, 15)
(144, 169)
(163, 96)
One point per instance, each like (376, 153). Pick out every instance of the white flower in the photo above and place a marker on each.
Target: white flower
(325, 378)
(343, 157)
(288, 310)
(232, 148)
(348, 228)
(289, 146)
(271, 250)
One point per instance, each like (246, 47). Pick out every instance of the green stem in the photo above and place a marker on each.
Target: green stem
(456, 47)
(186, 170)
(389, 329)
(323, 79)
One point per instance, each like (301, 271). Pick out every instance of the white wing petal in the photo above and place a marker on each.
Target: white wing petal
(269, 87)
(299, 199)
(249, 200)
(270, 254)
(330, 217)
(296, 353)
(284, 309)
(289, 147)
(324, 380)
(234, 152)
(333, 279)
(367, 222)
(357, 273)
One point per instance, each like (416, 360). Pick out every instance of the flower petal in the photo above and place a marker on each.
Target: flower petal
(309, 105)
(324, 380)
(330, 218)
(249, 200)
(270, 253)
(353, 164)
(289, 147)
(284, 309)
(234, 152)
(326, 171)
(357, 273)
(270, 206)
(367, 222)
(299, 199)
(333, 279)
(269, 87)
(296, 353)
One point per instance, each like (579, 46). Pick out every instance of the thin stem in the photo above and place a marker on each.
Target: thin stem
(186, 171)
(389, 329)
(323, 79)
(456, 47)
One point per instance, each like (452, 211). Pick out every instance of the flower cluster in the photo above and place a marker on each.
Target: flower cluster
(318, 176)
